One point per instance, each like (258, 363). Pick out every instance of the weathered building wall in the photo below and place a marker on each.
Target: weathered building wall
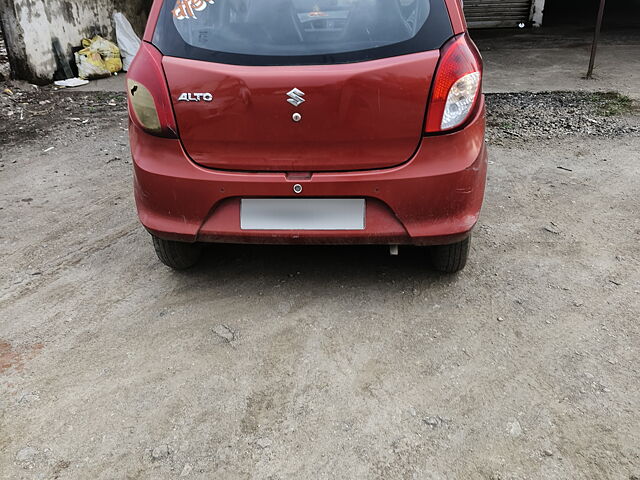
(4, 60)
(31, 25)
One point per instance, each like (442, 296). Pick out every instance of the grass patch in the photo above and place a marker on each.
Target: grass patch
(611, 104)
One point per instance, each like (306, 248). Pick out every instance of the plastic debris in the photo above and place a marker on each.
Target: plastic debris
(99, 58)
(71, 82)
(128, 41)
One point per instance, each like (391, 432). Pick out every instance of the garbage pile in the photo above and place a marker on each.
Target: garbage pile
(100, 58)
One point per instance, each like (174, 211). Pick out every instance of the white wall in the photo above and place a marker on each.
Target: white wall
(31, 25)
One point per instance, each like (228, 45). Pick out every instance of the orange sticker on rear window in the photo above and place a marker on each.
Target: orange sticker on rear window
(188, 8)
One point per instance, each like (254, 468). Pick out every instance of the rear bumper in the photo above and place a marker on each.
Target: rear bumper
(434, 198)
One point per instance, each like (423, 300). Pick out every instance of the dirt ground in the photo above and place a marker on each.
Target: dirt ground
(327, 363)
(557, 58)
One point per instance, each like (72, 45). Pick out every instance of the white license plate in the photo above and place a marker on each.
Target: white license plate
(302, 214)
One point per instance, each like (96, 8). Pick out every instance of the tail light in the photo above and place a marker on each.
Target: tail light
(149, 100)
(456, 86)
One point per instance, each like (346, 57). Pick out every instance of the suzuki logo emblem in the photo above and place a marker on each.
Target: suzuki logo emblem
(295, 97)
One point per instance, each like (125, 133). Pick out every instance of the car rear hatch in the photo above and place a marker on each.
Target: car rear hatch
(249, 94)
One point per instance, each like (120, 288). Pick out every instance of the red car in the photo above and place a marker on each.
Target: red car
(308, 122)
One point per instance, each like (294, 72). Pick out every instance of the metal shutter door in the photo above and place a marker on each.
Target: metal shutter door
(496, 13)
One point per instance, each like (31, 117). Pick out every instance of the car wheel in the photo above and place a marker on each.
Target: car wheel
(177, 255)
(450, 258)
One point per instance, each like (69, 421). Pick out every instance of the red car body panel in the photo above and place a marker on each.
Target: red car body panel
(456, 14)
(357, 116)
(152, 20)
(434, 198)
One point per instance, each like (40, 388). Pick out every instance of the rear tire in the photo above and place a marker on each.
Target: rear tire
(450, 258)
(177, 255)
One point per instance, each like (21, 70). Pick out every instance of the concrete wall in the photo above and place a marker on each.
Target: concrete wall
(31, 25)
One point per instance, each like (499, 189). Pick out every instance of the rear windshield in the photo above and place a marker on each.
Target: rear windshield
(292, 32)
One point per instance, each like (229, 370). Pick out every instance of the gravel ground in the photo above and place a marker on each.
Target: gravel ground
(31, 113)
(318, 362)
(526, 116)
